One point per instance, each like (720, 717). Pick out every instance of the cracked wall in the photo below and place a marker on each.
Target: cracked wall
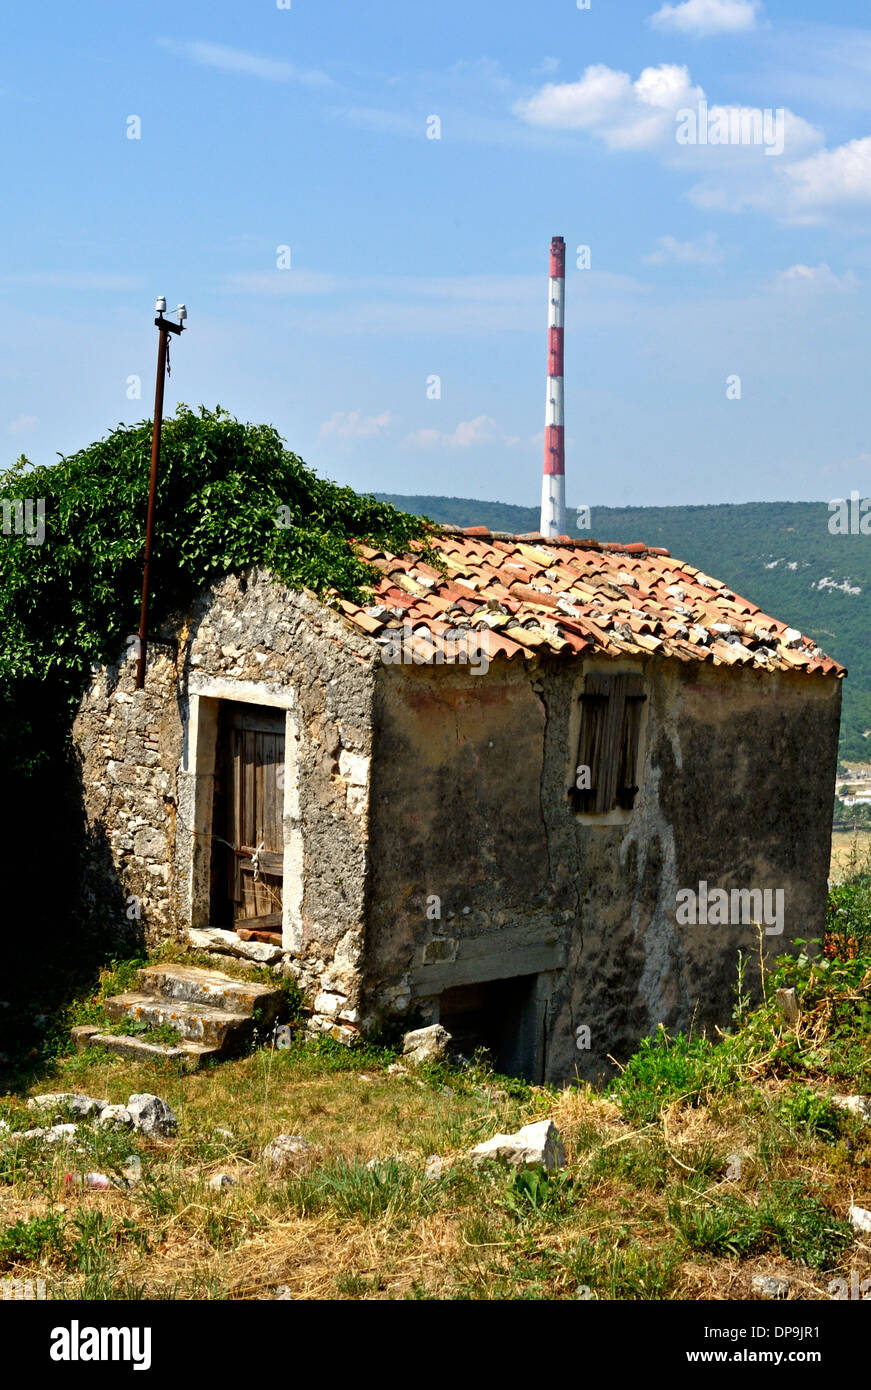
(469, 807)
(437, 846)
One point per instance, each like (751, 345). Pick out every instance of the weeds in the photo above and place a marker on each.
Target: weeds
(33, 1240)
(390, 1191)
(787, 1218)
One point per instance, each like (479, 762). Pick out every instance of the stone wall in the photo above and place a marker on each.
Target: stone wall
(452, 855)
(470, 807)
(129, 744)
(253, 639)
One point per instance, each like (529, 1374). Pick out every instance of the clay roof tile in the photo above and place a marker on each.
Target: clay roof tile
(615, 599)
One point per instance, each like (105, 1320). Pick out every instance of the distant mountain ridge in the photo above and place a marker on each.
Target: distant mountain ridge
(781, 555)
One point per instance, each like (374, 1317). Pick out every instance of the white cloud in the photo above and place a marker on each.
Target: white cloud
(772, 161)
(670, 251)
(546, 65)
(702, 18)
(227, 59)
(648, 113)
(352, 424)
(470, 432)
(821, 276)
(833, 177)
(24, 424)
(467, 435)
(802, 191)
(422, 439)
(625, 114)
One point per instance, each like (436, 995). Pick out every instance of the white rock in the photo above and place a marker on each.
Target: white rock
(152, 1115)
(426, 1044)
(67, 1100)
(539, 1143)
(52, 1135)
(115, 1117)
(770, 1285)
(328, 1004)
(433, 1167)
(290, 1153)
(218, 1181)
(860, 1219)
(353, 768)
(375, 1163)
(60, 1134)
(857, 1105)
(228, 943)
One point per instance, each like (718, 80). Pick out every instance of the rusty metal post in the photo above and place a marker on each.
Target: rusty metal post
(164, 327)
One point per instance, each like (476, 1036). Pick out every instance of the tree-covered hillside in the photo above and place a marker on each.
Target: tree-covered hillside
(779, 554)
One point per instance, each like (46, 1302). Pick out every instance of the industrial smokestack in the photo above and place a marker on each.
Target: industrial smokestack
(553, 487)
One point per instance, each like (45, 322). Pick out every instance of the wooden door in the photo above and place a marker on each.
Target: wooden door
(249, 801)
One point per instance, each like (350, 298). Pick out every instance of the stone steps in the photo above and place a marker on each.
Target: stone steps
(214, 1014)
(201, 1023)
(211, 988)
(190, 1055)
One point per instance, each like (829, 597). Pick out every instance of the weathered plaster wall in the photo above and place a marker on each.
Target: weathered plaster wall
(469, 804)
(465, 801)
(243, 635)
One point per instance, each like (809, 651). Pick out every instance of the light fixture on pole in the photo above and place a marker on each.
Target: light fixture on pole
(164, 327)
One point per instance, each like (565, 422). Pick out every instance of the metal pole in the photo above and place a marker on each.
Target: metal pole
(152, 496)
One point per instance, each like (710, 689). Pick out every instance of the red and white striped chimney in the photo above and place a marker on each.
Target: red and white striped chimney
(553, 487)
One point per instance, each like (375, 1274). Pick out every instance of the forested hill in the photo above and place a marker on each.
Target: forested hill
(779, 554)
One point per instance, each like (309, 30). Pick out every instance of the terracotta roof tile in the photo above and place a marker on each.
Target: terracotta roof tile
(532, 595)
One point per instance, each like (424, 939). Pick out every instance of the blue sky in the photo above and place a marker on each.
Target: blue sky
(414, 257)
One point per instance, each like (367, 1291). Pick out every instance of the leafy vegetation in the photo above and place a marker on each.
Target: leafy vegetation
(230, 496)
(787, 1218)
(705, 1161)
(848, 914)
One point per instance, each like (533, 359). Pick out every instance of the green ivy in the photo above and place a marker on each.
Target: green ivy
(230, 496)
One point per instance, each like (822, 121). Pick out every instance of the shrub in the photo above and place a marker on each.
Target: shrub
(29, 1241)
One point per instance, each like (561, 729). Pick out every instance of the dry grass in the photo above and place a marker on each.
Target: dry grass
(848, 846)
(341, 1232)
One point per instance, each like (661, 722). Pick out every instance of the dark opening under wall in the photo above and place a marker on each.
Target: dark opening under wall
(498, 1015)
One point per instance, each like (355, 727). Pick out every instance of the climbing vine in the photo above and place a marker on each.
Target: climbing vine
(230, 496)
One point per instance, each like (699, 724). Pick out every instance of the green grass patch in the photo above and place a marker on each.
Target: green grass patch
(787, 1218)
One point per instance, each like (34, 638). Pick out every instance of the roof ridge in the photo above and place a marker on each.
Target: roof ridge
(483, 533)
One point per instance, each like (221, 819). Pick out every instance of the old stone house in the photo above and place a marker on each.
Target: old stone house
(484, 799)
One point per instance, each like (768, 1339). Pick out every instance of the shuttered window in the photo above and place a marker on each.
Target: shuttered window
(608, 744)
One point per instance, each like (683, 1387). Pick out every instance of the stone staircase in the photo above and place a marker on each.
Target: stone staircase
(214, 1014)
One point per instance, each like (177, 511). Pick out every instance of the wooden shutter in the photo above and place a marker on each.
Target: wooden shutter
(633, 700)
(608, 743)
(594, 709)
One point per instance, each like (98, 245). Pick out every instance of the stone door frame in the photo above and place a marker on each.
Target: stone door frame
(196, 787)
